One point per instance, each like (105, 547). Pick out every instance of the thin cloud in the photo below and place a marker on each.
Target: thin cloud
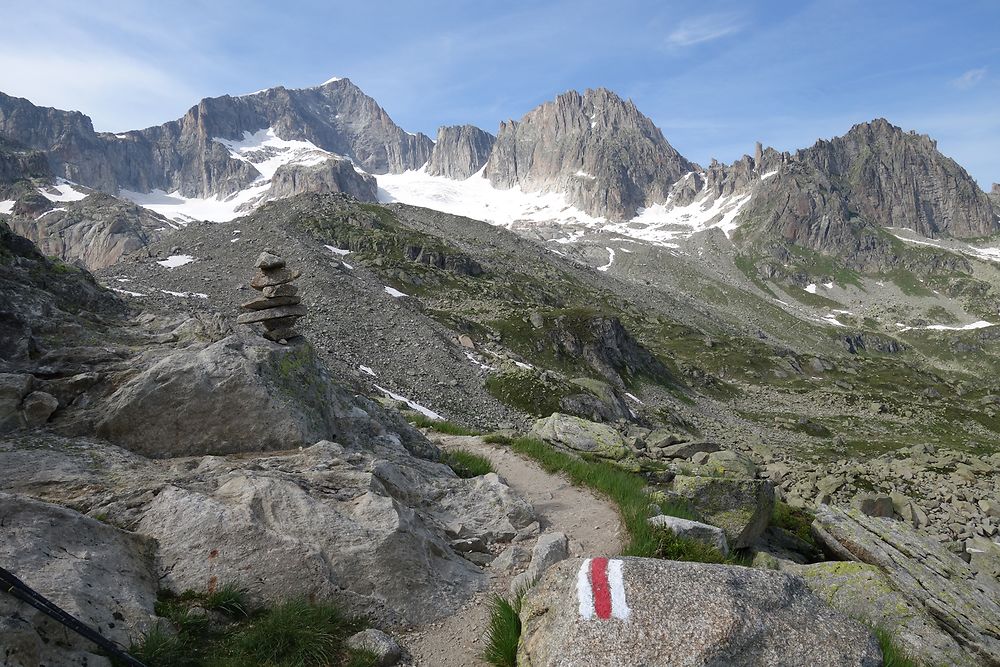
(703, 29)
(970, 78)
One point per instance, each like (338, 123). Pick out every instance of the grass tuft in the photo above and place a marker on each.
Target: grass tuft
(796, 521)
(294, 633)
(497, 439)
(504, 632)
(466, 464)
(892, 654)
(229, 599)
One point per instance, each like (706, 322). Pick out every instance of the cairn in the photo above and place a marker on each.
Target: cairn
(278, 308)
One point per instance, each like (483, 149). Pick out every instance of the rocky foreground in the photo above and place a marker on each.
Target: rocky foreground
(151, 452)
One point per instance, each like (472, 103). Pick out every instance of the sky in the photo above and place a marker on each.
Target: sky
(715, 77)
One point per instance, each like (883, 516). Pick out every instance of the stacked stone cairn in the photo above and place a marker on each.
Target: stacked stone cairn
(278, 307)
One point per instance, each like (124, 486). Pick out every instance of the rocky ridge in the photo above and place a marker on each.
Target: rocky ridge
(460, 151)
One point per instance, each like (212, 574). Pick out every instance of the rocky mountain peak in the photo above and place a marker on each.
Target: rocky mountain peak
(460, 151)
(596, 148)
(900, 179)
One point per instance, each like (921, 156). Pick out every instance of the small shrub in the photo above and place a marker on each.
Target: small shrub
(504, 632)
(466, 464)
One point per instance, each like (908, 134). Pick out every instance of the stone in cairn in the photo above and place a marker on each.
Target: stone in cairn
(279, 306)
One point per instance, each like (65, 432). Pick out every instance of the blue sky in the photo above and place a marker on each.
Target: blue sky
(715, 77)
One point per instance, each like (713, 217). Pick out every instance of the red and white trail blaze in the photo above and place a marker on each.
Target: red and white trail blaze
(600, 589)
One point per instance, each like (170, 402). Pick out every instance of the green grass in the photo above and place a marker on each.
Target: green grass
(497, 439)
(504, 631)
(892, 654)
(466, 464)
(628, 492)
(293, 634)
(439, 425)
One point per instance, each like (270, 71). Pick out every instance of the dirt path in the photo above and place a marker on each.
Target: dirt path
(590, 522)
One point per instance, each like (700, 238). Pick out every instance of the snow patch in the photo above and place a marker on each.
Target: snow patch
(64, 191)
(7, 206)
(337, 251)
(981, 324)
(395, 293)
(471, 357)
(126, 292)
(634, 398)
(49, 211)
(366, 369)
(811, 288)
(521, 364)
(198, 295)
(611, 260)
(412, 404)
(174, 261)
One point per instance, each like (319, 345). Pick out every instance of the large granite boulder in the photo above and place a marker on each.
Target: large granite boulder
(580, 436)
(101, 575)
(742, 508)
(641, 611)
(930, 577)
(239, 394)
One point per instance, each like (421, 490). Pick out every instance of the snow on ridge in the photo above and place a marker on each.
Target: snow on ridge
(332, 79)
(989, 254)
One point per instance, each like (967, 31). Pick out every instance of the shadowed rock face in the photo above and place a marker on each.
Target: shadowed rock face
(460, 151)
(183, 155)
(596, 148)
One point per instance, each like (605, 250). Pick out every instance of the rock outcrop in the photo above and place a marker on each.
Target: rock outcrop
(460, 151)
(742, 508)
(597, 149)
(333, 175)
(672, 613)
(95, 231)
(930, 577)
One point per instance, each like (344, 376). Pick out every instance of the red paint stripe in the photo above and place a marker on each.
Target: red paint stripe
(599, 583)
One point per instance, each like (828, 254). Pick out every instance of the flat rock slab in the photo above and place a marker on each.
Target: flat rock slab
(924, 571)
(264, 303)
(580, 435)
(650, 612)
(271, 314)
(272, 278)
(285, 289)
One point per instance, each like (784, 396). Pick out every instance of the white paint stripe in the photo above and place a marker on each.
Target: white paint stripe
(619, 607)
(584, 591)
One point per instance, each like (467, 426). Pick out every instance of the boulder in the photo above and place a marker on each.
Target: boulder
(101, 575)
(924, 571)
(742, 508)
(730, 464)
(864, 592)
(239, 394)
(874, 504)
(685, 450)
(641, 611)
(693, 530)
(382, 646)
(268, 261)
(38, 407)
(580, 435)
(273, 278)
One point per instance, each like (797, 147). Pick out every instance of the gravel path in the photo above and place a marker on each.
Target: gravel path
(590, 522)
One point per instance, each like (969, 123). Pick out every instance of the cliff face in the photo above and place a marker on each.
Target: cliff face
(597, 149)
(460, 151)
(185, 155)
